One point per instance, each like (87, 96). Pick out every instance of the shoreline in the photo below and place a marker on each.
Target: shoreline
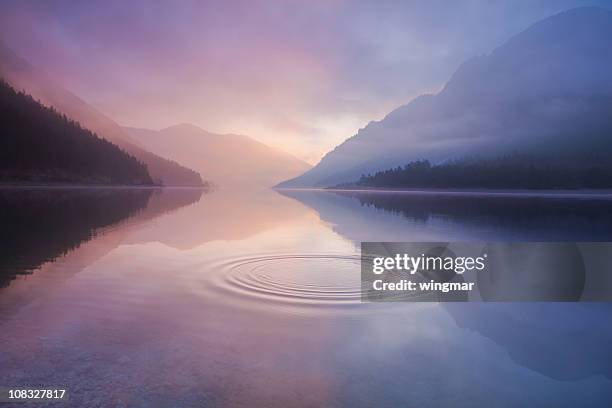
(561, 193)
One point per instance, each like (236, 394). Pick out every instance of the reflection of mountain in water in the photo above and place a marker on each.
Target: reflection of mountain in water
(466, 216)
(564, 341)
(561, 341)
(40, 225)
(223, 215)
(508, 209)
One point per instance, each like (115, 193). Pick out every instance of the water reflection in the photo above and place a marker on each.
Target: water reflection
(561, 341)
(51, 234)
(40, 225)
(536, 335)
(456, 216)
(249, 299)
(224, 215)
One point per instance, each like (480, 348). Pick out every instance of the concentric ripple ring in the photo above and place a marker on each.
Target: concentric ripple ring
(326, 279)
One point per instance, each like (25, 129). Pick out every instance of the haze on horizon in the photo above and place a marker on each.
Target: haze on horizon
(298, 76)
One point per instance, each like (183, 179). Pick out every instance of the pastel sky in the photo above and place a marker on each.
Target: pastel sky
(299, 75)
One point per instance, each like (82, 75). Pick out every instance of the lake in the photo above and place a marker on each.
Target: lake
(187, 298)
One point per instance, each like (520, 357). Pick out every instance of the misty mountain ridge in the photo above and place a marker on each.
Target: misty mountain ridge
(226, 159)
(547, 90)
(21, 75)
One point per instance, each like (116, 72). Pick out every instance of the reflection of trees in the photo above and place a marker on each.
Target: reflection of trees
(542, 217)
(40, 225)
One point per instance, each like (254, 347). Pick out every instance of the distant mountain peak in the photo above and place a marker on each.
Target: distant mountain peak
(184, 127)
(226, 159)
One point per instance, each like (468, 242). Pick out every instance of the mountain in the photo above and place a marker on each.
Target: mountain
(546, 90)
(23, 76)
(225, 159)
(37, 144)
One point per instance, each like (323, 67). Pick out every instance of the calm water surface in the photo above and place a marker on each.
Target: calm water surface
(181, 298)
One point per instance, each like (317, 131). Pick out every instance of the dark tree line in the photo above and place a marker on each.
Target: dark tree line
(39, 144)
(510, 172)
